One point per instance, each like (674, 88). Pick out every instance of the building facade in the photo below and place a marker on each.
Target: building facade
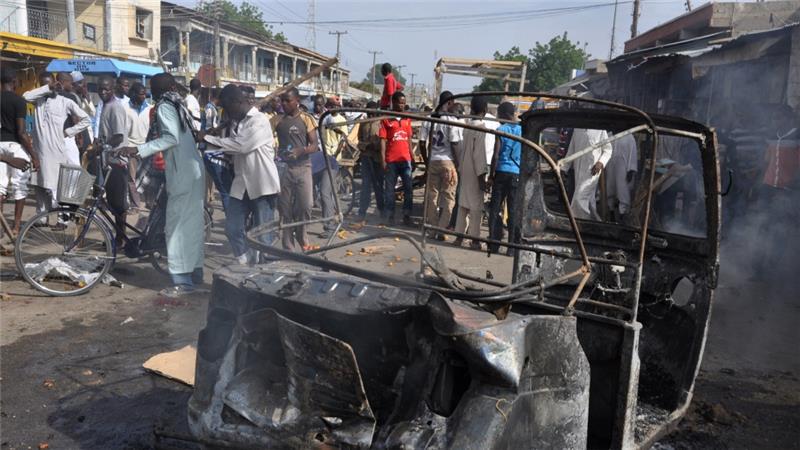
(245, 57)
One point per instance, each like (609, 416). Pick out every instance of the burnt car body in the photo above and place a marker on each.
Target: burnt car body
(596, 343)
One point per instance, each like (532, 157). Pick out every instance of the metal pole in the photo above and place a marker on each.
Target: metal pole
(613, 31)
(217, 14)
(107, 25)
(71, 21)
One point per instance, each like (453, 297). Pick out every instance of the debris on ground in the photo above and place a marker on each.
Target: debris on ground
(177, 365)
(43, 445)
(716, 413)
(48, 383)
(128, 320)
(376, 249)
(78, 270)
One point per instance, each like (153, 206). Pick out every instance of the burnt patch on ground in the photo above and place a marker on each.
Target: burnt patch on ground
(83, 386)
(740, 409)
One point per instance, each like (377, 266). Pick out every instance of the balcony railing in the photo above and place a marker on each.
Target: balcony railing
(42, 24)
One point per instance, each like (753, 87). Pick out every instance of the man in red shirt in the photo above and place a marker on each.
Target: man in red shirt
(395, 134)
(390, 86)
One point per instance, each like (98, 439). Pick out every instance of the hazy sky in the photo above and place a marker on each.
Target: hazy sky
(419, 45)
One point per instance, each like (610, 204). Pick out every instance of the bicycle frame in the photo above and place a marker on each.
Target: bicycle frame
(99, 208)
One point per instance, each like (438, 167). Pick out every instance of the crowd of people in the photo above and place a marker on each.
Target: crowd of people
(269, 158)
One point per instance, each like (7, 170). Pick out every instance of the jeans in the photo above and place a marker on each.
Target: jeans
(222, 176)
(371, 181)
(503, 189)
(393, 170)
(263, 210)
(188, 279)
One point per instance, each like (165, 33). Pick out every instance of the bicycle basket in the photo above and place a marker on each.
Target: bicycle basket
(74, 184)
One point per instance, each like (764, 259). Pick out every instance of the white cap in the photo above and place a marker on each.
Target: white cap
(76, 76)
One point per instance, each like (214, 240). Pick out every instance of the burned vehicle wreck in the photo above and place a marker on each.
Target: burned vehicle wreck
(594, 343)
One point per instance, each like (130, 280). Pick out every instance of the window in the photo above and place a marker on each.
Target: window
(144, 24)
(89, 32)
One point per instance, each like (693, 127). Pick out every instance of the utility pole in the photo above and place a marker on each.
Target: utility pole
(613, 31)
(413, 89)
(338, 36)
(635, 22)
(217, 59)
(375, 54)
(338, 57)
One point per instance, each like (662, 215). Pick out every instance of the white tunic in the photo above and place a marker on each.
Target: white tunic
(49, 133)
(584, 205)
(624, 159)
(472, 159)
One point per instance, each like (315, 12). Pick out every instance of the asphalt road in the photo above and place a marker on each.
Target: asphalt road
(71, 368)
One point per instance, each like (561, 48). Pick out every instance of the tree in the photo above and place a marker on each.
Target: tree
(246, 15)
(364, 85)
(549, 65)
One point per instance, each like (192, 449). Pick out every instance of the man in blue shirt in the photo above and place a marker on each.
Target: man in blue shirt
(504, 178)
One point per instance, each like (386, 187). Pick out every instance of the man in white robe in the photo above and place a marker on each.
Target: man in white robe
(472, 174)
(185, 186)
(587, 170)
(52, 111)
(622, 167)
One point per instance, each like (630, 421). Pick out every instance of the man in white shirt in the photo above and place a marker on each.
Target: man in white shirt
(140, 114)
(442, 164)
(587, 168)
(52, 111)
(256, 184)
(192, 104)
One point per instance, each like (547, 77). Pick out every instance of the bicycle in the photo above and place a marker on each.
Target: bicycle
(69, 249)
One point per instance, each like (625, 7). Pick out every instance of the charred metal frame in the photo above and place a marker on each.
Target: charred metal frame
(601, 332)
(513, 292)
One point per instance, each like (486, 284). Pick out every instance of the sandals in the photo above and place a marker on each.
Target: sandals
(310, 247)
(181, 291)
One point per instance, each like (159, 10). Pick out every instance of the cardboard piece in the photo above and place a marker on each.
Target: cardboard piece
(177, 365)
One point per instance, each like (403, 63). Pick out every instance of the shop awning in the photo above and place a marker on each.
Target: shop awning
(103, 65)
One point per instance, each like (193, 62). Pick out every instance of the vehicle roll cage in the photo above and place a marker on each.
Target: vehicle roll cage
(449, 284)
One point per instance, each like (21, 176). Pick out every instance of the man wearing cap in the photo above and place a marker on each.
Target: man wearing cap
(79, 88)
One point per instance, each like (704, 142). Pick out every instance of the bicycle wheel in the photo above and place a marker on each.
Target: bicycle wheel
(345, 189)
(69, 255)
(159, 260)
